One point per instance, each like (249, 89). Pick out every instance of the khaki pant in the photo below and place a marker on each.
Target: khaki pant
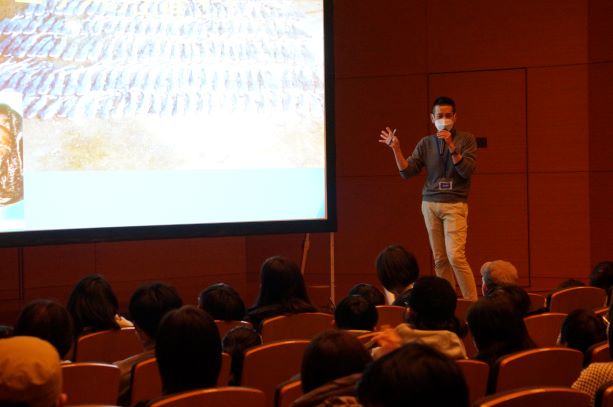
(447, 224)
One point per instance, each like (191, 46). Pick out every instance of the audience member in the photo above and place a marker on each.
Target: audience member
(94, 306)
(188, 350)
(235, 342)
(602, 276)
(355, 313)
(581, 329)
(515, 294)
(148, 305)
(431, 320)
(596, 374)
(282, 291)
(30, 373)
(415, 375)
(568, 283)
(371, 293)
(331, 366)
(222, 302)
(397, 270)
(497, 272)
(498, 329)
(6, 331)
(48, 320)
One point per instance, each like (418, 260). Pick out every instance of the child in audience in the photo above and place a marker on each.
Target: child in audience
(397, 270)
(236, 341)
(222, 302)
(282, 291)
(371, 293)
(581, 329)
(331, 366)
(355, 313)
(48, 320)
(415, 375)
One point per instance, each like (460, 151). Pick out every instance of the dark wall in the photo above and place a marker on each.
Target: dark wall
(533, 77)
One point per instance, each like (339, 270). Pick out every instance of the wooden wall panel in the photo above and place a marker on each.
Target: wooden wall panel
(558, 119)
(373, 213)
(364, 106)
(479, 34)
(490, 104)
(379, 37)
(9, 274)
(498, 222)
(559, 225)
(600, 30)
(601, 216)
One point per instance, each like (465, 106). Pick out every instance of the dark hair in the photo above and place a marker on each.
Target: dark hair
(93, 305)
(515, 294)
(236, 341)
(354, 312)
(432, 306)
(568, 283)
(414, 375)
(396, 267)
(581, 329)
(281, 282)
(48, 320)
(149, 303)
(602, 276)
(497, 328)
(331, 355)
(443, 100)
(188, 350)
(370, 293)
(222, 302)
(6, 331)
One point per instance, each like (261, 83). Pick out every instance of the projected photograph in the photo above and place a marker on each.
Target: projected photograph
(147, 112)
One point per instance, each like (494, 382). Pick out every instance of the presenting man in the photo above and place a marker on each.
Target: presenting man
(449, 157)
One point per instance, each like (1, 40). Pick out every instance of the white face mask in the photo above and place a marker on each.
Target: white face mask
(443, 124)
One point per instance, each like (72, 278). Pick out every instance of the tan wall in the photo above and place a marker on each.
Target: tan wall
(533, 77)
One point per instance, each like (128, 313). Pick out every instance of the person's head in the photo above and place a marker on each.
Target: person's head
(497, 272)
(432, 305)
(235, 342)
(188, 350)
(331, 355)
(414, 375)
(397, 268)
(354, 312)
(48, 320)
(281, 282)
(222, 302)
(497, 328)
(148, 305)
(370, 293)
(93, 305)
(515, 294)
(602, 276)
(443, 114)
(30, 373)
(581, 329)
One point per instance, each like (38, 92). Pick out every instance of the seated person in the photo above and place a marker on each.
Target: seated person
(188, 350)
(602, 277)
(515, 294)
(148, 305)
(431, 320)
(30, 373)
(94, 307)
(48, 320)
(397, 270)
(222, 302)
(496, 273)
(282, 291)
(581, 329)
(371, 293)
(331, 367)
(355, 313)
(414, 375)
(235, 342)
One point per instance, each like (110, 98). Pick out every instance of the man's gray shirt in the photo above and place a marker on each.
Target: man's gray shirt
(440, 167)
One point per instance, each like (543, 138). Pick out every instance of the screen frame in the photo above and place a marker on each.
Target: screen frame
(188, 231)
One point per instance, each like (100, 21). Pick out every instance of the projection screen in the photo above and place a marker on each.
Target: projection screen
(146, 119)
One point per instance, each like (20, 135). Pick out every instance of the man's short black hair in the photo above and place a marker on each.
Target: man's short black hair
(443, 100)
